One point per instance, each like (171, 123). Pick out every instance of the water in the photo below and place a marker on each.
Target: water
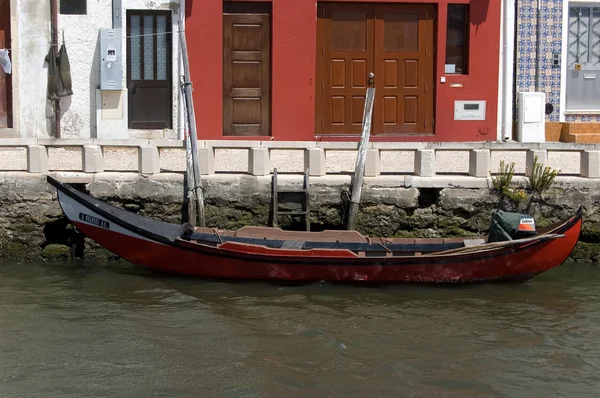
(87, 330)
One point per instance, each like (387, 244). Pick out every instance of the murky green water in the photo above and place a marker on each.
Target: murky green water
(83, 330)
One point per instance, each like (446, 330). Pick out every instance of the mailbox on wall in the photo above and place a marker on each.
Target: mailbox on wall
(111, 56)
(469, 110)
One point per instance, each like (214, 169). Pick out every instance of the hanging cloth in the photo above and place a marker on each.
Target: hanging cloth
(52, 74)
(64, 89)
(5, 61)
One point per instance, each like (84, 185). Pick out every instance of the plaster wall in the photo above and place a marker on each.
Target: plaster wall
(83, 45)
(33, 112)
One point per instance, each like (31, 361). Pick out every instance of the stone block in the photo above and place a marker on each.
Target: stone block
(172, 158)
(479, 163)
(231, 160)
(148, 160)
(451, 161)
(397, 162)
(121, 158)
(65, 158)
(93, 159)
(258, 161)
(287, 160)
(207, 160)
(590, 164)
(340, 161)
(13, 158)
(372, 163)
(37, 159)
(314, 160)
(425, 163)
(542, 155)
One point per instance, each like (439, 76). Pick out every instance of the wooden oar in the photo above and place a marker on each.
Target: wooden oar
(496, 245)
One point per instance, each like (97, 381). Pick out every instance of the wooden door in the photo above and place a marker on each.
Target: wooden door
(404, 62)
(389, 47)
(345, 43)
(246, 69)
(5, 79)
(149, 76)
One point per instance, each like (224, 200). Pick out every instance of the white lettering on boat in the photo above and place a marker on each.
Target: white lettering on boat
(94, 221)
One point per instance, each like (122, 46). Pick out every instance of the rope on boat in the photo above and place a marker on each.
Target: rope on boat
(216, 231)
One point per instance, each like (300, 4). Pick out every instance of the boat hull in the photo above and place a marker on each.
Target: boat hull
(516, 263)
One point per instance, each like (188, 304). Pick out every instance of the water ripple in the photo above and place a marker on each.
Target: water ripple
(87, 330)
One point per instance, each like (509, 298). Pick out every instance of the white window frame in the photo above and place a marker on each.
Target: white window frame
(563, 62)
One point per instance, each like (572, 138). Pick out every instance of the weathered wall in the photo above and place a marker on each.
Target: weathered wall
(81, 36)
(33, 36)
(32, 225)
(83, 43)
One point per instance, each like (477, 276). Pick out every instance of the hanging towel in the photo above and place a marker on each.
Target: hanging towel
(64, 71)
(5, 61)
(52, 74)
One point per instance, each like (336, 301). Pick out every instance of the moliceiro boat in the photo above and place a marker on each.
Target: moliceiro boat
(273, 254)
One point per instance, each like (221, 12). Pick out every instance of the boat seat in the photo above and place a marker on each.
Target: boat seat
(401, 241)
(474, 242)
(454, 240)
(278, 233)
(429, 240)
(292, 244)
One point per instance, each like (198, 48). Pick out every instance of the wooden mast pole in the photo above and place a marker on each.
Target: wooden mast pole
(361, 158)
(191, 135)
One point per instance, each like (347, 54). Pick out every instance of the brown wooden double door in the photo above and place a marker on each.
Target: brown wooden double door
(386, 46)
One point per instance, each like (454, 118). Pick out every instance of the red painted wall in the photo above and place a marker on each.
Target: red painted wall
(294, 30)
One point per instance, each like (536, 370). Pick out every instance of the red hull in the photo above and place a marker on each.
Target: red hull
(518, 266)
(158, 245)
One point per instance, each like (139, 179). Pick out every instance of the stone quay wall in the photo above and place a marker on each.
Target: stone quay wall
(420, 190)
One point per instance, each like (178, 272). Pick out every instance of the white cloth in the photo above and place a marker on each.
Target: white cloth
(5, 61)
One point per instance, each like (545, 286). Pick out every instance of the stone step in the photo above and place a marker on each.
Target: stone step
(581, 133)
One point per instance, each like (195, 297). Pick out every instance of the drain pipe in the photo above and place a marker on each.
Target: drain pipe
(507, 68)
(54, 12)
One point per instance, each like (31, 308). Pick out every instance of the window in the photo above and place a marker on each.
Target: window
(73, 7)
(457, 39)
(583, 58)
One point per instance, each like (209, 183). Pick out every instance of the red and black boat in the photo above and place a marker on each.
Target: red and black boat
(273, 254)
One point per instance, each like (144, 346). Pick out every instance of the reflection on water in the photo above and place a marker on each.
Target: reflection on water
(91, 330)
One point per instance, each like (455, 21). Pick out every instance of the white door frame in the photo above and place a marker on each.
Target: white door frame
(564, 56)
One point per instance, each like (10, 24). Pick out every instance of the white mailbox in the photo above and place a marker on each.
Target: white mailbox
(532, 117)
(469, 110)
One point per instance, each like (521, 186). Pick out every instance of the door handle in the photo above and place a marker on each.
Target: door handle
(371, 77)
(134, 88)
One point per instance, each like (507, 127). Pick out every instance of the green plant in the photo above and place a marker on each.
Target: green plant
(501, 183)
(541, 178)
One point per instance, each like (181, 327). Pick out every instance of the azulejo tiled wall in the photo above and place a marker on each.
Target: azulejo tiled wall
(550, 41)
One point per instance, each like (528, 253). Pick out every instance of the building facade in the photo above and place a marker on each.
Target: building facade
(299, 70)
(278, 70)
(133, 31)
(558, 53)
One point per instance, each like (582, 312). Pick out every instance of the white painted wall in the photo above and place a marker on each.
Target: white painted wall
(31, 42)
(33, 111)
(82, 39)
